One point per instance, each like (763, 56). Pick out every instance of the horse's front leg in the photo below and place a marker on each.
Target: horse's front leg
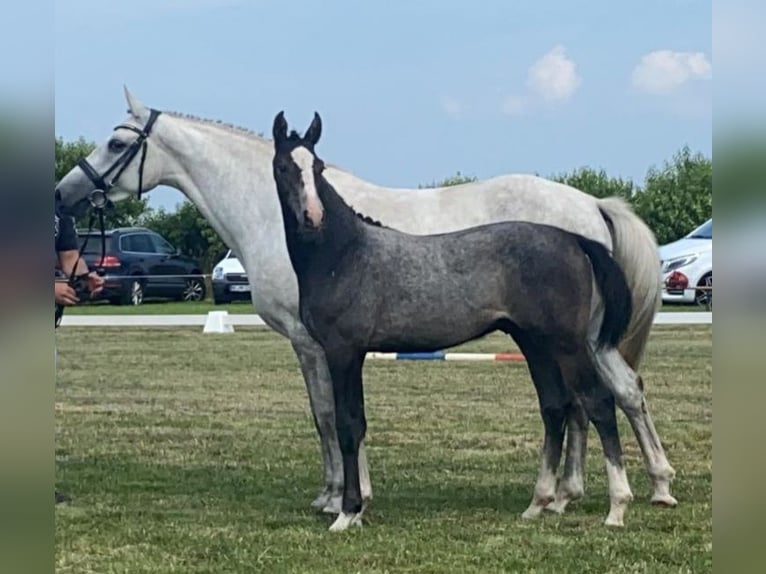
(316, 375)
(346, 370)
(319, 388)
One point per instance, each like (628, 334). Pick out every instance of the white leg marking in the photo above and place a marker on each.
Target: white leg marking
(365, 486)
(544, 491)
(304, 159)
(619, 494)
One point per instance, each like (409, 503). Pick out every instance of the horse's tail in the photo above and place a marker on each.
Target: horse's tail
(635, 250)
(614, 289)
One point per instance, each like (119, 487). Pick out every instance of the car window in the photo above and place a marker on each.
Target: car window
(704, 231)
(94, 244)
(162, 246)
(137, 243)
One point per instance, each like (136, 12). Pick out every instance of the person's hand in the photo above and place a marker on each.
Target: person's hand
(95, 283)
(64, 294)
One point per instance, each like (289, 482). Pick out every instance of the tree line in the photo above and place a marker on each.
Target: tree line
(673, 199)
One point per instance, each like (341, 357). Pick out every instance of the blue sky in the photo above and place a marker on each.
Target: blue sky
(409, 91)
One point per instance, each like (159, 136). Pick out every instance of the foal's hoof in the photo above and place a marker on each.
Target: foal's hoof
(334, 505)
(664, 500)
(345, 521)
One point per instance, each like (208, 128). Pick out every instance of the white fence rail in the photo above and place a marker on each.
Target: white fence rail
(223, 322)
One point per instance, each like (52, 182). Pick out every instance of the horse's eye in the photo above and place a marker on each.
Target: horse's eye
(116, 145)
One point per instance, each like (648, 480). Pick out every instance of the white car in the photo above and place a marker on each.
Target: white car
(687, 266)
(230, 282)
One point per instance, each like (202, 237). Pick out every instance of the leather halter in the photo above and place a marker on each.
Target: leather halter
(100, 180)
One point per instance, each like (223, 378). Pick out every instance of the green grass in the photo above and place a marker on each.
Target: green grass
(185, 452)
(160, 307)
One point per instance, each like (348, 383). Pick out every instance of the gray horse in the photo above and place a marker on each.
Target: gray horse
(364, 287)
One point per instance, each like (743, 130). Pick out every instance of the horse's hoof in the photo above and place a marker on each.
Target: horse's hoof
(345, 521)
(533, 512)
(321, 501)
(557, 506)
(664, 500)
(614, 522)
(334, 505)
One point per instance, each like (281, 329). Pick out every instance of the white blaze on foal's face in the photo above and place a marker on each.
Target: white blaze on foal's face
(304, 159)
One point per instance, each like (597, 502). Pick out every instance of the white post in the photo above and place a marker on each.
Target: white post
(218, 322)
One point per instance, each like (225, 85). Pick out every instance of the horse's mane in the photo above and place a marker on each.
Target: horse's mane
(217, 123)
(248, 132)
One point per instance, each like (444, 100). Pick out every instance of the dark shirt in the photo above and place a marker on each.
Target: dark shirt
(65, 237)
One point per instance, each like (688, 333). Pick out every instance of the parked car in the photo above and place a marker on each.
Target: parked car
(687, 265)
(230, 282)
(140, 264)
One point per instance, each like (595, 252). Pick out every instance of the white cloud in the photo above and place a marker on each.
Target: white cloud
(554, 76)
(664, 71)
(451, 106)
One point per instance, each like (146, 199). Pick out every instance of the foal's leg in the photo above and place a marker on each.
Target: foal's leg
(571, 487)
(553, 399)
(599, 403)
(316, 375)
(626, 386)
(351, 424)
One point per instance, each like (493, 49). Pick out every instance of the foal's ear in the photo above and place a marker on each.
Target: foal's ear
(279, 130)
(314, 131)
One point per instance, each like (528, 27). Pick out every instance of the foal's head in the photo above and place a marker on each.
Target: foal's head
(297, 169)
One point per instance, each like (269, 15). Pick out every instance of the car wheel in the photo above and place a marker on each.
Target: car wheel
(134, 294)
(194, 290)
(704, 297)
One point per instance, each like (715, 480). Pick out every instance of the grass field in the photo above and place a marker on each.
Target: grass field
(185, 452)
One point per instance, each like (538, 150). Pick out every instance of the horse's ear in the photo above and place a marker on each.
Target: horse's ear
(135, 108)
(279, 130)
(315, 130)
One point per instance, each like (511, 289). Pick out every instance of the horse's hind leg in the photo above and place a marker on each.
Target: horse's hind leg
(626, 387)
(581, 375)
(553, 399)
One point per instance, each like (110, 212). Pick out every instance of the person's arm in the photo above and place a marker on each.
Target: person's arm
(69, 255)
(68, 259)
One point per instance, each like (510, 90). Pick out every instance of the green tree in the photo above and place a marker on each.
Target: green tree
(597, 183)
(456, 179)
(678, 196)
(187, 230)
(121, 214)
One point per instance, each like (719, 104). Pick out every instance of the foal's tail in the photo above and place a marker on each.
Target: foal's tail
(618, 302)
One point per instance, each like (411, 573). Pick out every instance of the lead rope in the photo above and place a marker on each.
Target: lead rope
(73, 278)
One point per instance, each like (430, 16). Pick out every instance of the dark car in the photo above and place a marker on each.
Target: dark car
(140, 263)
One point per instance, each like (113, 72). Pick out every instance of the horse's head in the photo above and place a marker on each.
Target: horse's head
(297, 169)
(128, 163)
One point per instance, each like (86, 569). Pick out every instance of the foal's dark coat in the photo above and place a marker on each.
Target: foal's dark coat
(364, 287)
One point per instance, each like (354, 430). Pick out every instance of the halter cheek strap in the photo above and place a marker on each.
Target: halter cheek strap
(121, 163)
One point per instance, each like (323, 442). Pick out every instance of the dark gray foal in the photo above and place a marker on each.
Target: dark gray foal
(364, 287)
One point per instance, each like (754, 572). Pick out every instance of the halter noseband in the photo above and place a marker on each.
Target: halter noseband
(100, 180)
